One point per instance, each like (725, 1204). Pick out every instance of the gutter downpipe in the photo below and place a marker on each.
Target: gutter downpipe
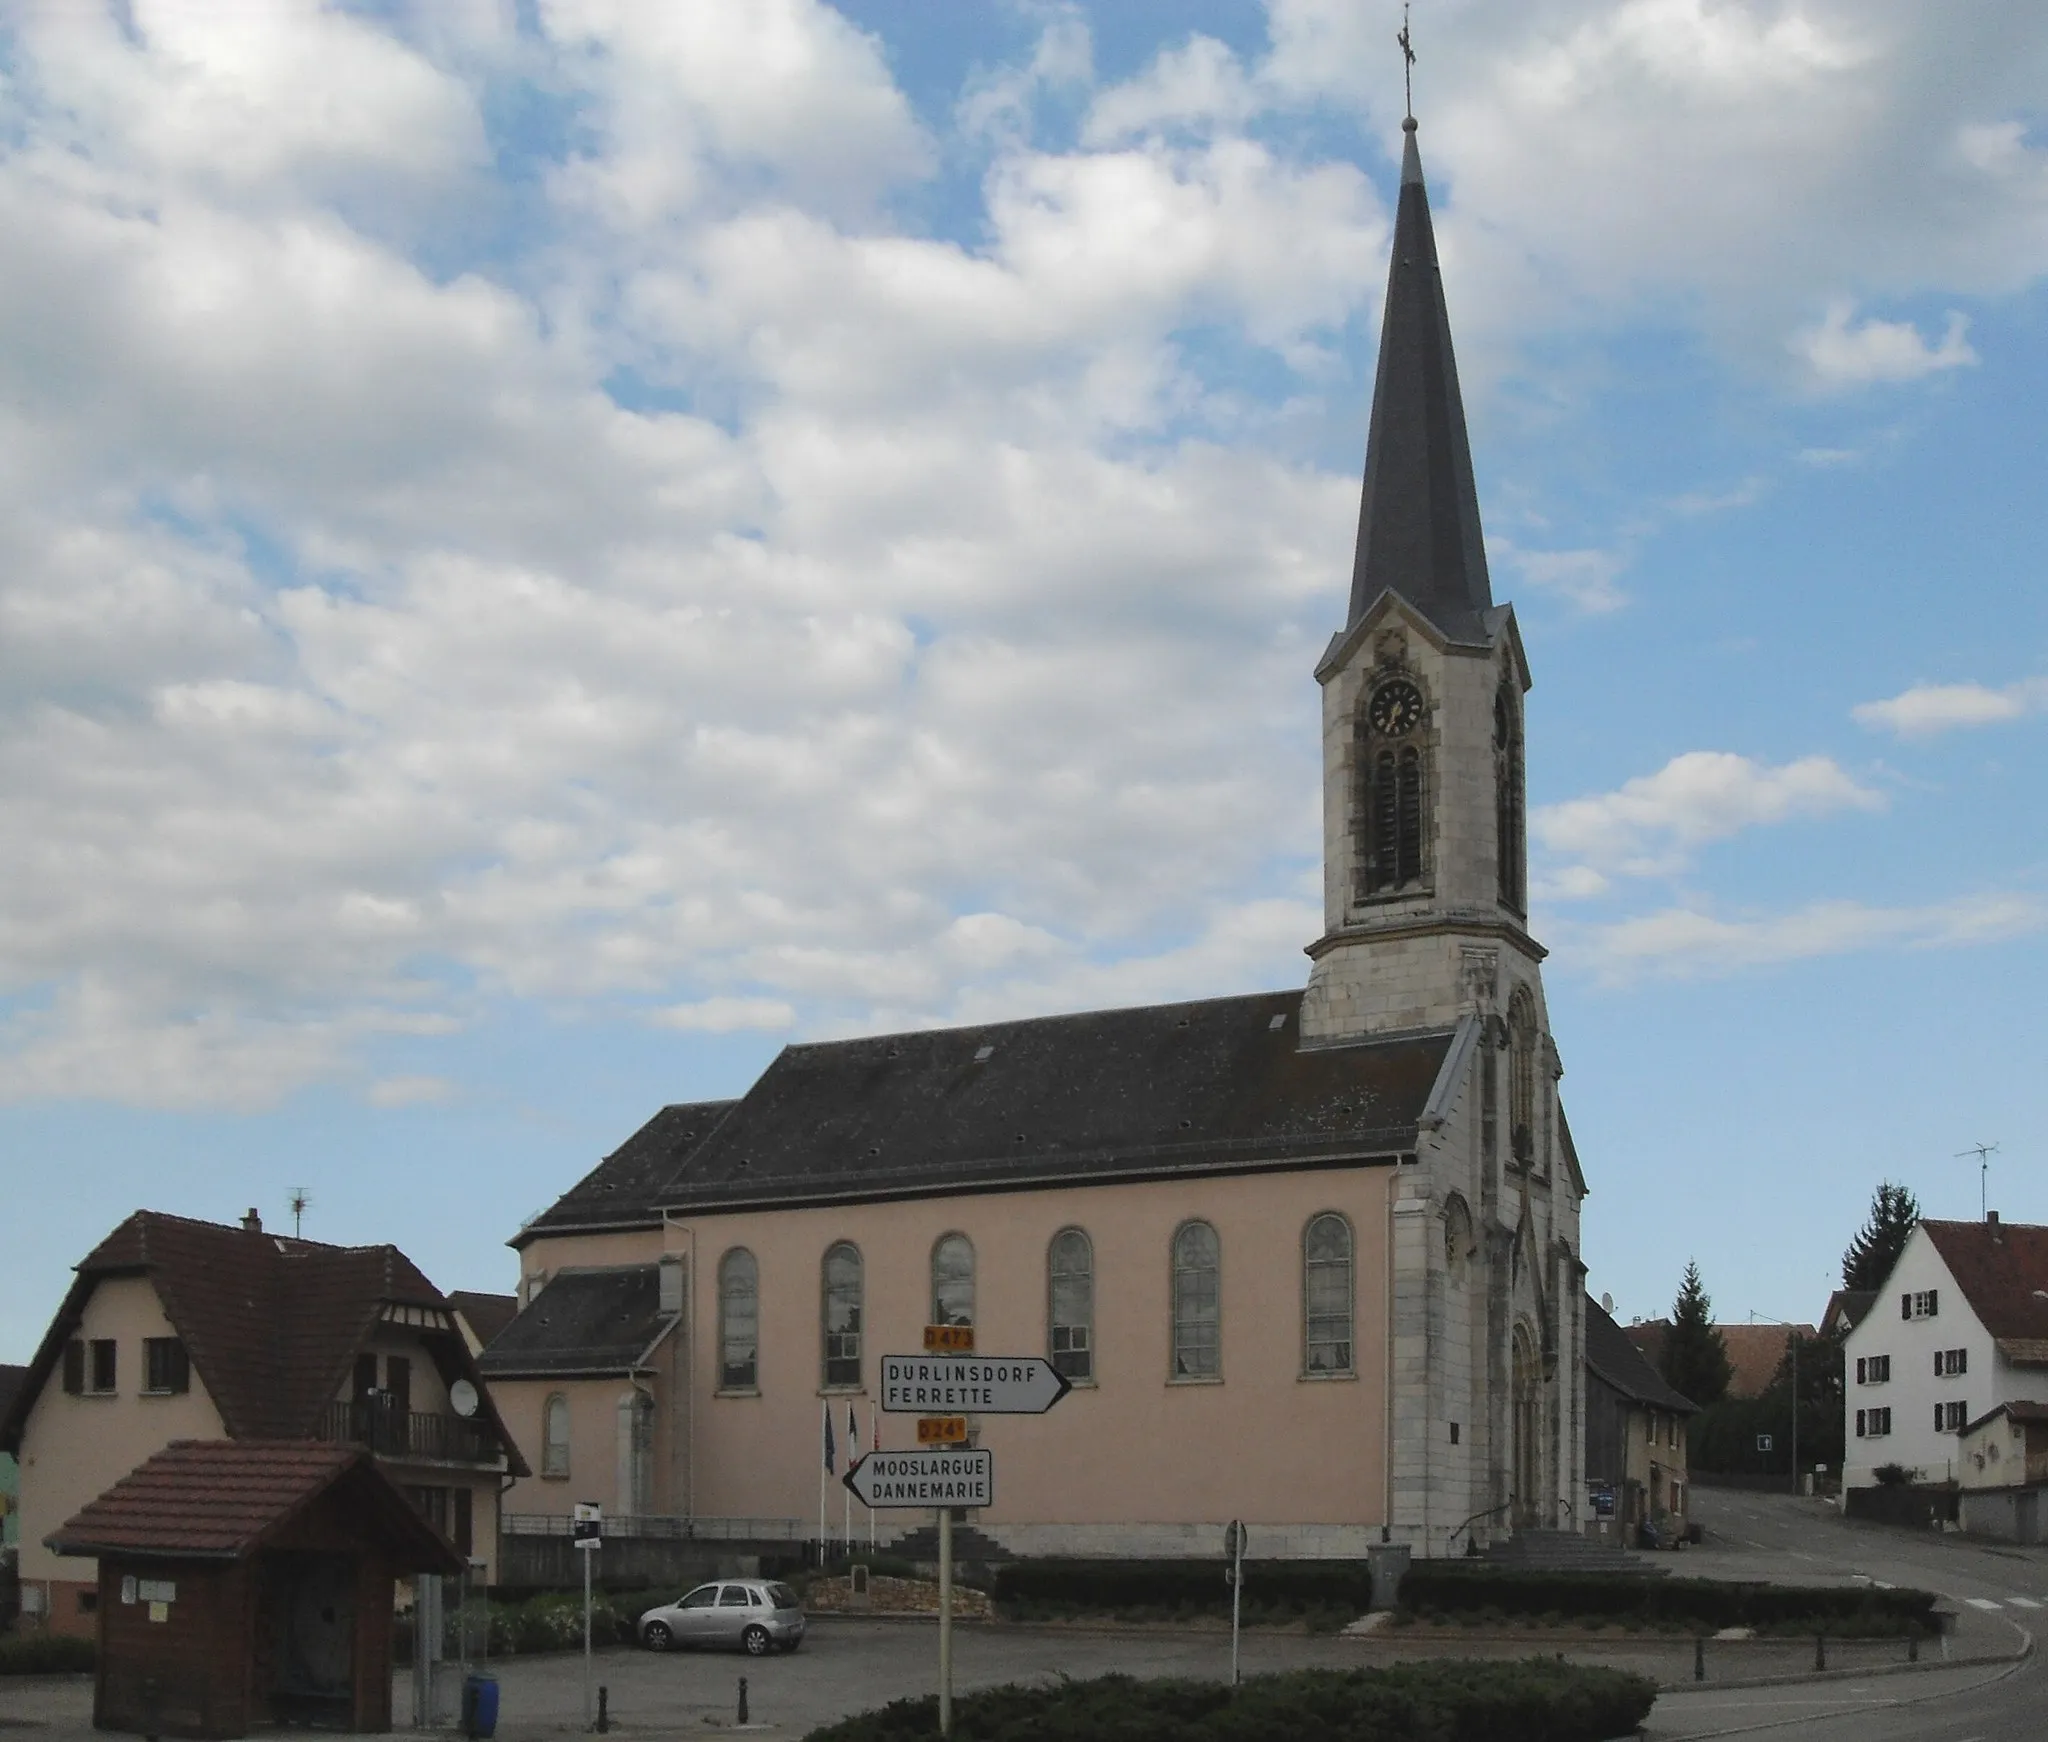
(690, 1365)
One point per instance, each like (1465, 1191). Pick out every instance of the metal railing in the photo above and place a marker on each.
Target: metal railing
(391, 1433)
(669, 1529)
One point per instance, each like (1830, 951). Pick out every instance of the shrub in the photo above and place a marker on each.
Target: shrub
(1630, 1598)
(1538, 1701)
(45, 1654)
(1274, 1591)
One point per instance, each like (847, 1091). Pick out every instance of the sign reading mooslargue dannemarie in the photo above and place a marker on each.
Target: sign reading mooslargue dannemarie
(981, 1384)
(927, 1478)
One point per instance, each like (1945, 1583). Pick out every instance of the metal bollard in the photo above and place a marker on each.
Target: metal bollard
(1699, 1660)
(1820, 1651)
(743, 1700)
(604, 1719)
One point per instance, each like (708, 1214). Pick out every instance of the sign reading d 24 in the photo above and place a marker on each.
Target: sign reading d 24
(942, 1430)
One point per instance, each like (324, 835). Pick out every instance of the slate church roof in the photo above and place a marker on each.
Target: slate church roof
(625, 1189)
(1220, 1085)
(586, 1323)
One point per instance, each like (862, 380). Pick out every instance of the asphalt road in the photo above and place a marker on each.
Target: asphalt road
(2002, 1593)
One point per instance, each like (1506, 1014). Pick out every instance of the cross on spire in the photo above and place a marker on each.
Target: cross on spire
(1407, 63)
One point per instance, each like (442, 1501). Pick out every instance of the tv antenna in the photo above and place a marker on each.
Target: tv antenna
(301, 1202)
(1983, 1152)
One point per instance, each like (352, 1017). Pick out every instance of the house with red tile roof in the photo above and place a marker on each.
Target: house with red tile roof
(1754, 1351)
(175, 1329)
(1959, 1328)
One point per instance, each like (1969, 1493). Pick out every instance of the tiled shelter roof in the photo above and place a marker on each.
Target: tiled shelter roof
(221, 1499)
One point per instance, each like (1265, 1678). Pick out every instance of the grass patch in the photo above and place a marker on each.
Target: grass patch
(1538, 1701)
(1445, 1592)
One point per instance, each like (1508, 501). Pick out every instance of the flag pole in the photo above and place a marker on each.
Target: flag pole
(824, 1435)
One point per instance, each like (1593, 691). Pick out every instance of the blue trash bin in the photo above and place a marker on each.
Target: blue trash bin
(479, 1706)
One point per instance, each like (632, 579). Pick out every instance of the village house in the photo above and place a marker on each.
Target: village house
(1309, 1257)
(1959, 1328)
(1637, 1473)
(176, 1330)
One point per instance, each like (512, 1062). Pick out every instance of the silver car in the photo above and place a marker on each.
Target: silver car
(755, 1615)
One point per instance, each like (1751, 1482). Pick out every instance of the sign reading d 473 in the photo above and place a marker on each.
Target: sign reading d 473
(949, 1339)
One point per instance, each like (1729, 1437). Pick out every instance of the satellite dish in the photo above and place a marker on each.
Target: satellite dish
(1607, 1303)
(462, 1398)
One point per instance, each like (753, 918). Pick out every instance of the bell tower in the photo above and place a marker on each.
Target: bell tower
(1424, 845)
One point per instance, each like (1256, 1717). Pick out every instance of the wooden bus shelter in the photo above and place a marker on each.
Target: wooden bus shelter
(246, 1583)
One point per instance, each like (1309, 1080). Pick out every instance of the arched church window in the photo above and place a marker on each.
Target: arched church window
(1070, 1301)
(1326, 1295)
(1396, 782)
(952, 1281)
(842, 1314)
(1197, 1302)
(1522, 1076)
(739, 1321)
(1509, 828)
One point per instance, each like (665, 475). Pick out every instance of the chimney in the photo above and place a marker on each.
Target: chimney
(253, 1222)
(672, 1284)
(1991, 1220)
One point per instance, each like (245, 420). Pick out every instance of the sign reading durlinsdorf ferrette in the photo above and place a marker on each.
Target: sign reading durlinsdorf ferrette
(983, 1384)
(927, 1478)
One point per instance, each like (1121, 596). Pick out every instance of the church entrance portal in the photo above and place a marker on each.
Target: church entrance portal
(1527, 1411)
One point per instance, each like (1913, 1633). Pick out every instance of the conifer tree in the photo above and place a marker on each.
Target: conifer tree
(1695, 1357)
(1894, 1213)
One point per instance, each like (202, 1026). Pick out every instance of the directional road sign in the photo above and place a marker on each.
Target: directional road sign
(929, 1478)
(986, 1384)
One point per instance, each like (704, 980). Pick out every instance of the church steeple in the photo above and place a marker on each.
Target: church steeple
(1418, 519)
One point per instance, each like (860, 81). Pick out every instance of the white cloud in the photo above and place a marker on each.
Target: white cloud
(410, 1092)
(1587, 579)
(1928, 709)
(1201, 83)
(1652, 824)
(1871, 350)
(1684, 942)
(728, 1015)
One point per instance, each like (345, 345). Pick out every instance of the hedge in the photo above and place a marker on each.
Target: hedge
(45, 1654)
(1449, 1589)
(1273, 1590)
(1539, 1701)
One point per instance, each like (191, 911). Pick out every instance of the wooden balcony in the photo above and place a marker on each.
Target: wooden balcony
(410, 1436)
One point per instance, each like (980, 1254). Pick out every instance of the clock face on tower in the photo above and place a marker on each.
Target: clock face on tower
(1396, 708)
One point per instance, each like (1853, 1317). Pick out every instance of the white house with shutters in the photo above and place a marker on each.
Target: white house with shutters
(1960, 1326)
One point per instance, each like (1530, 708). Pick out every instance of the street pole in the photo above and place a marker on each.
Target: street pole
(945, 1621)
(1795, 1414)
(588, 1553)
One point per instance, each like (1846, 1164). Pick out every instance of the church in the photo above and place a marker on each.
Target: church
(1308, 1258)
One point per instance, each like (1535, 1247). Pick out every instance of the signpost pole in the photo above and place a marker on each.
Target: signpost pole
(588, 1720)
(945, 1621)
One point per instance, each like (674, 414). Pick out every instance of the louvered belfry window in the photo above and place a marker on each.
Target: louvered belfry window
(1510, 845)
(1395, 807)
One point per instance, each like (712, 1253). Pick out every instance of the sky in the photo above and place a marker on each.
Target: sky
(550, 549)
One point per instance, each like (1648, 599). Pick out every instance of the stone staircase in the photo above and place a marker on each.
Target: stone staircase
(971, 1549)
(1567, 1551)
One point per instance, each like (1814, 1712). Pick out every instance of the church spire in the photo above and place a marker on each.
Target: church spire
(1418, 520)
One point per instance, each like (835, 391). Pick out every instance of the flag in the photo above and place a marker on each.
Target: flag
(852, 1437)
(875, 1429)
(831, 1451)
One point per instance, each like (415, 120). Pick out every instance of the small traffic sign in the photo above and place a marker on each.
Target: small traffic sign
(927, 1478)
(949, 1339)
(988, 1384)
(587, 1527)
(1763, 1442)
(942, 1430)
